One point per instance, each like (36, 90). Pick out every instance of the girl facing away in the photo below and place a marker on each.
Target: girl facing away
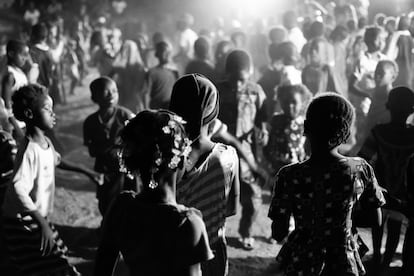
(155, 235)
(320, 193)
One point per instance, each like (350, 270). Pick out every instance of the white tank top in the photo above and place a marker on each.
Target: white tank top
(20, 78)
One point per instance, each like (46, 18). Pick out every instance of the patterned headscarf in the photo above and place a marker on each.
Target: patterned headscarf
(196, 100)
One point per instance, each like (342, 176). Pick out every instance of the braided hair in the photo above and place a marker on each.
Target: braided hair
(329, 119)
(153, 142)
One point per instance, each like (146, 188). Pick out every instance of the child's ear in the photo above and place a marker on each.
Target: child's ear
(394, 76)
(28, 113)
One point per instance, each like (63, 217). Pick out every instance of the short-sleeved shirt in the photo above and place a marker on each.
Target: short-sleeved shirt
(211, 187)
(159, 83)
(33, 181)
(390, 149)
(367, 64)
(20, 78)
(103, 138)
(42, 56)
(241, 111)
(286, 141)
(152, 237)
(321, 199)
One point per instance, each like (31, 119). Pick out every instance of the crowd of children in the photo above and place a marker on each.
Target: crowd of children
(293, 108)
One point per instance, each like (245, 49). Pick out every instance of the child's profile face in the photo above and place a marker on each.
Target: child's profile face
(43, 115)
(292, 105)
(109, 97)
(20, 57)
(240, 78)
(375, 44)
(384, 75)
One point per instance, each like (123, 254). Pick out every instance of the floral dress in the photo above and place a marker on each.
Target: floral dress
(321, 199)
(286, 141)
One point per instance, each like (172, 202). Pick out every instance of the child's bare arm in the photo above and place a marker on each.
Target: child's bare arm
(47, 242)
(6, 85)
(69, 166)
(227, 138)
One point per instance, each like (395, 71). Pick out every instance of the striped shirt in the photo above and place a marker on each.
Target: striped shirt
(212, 187)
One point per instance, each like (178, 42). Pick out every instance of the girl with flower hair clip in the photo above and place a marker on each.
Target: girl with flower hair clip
(155, 235)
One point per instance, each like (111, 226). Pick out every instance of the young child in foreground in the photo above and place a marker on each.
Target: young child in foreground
(155, 235)
(320, 193)
(32, 243)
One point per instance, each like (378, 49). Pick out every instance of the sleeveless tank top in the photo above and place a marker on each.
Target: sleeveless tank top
(20, 78)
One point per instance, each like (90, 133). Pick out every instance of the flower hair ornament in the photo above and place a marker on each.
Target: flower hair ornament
(180, 148)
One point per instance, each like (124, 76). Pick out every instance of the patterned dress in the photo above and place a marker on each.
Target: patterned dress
(321, 199)
(286, 141)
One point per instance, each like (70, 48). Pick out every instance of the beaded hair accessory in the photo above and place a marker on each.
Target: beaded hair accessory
(181, 147)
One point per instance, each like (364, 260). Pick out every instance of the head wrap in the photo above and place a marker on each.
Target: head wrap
(196, 100)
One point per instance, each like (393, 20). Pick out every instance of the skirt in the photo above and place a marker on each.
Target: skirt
(22, 237)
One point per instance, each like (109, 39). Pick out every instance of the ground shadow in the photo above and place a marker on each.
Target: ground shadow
(252, 266)
(81, 241)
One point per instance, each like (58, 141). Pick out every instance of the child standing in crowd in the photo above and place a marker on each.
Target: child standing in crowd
(101, 134)
(404, 51)
(271, 78)
(17, 56)
(216, 199)
(201, 63)
(243, 111)
(385, 75)
(222, 49)
(40, 53)
(317, 75)
(8, 150)
(160, 79)
(286, 141)
(320, 193)
(155, 235)
(32, 243)
(289, 54)
(362, 83)
(15, 78)
(391, 146)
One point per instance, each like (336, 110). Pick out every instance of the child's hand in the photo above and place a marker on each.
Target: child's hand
(48, 242)
(263, 137)
(264, 175)
(365, 105)
(99, 179)
(358, 74)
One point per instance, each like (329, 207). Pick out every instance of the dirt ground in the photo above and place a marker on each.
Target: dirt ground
(77, 216)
